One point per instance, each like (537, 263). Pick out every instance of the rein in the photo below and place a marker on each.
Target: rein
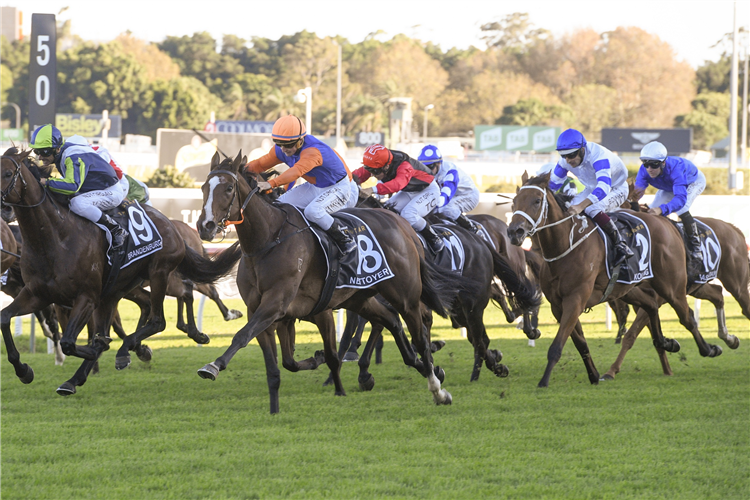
(543, 215)
(225, 221)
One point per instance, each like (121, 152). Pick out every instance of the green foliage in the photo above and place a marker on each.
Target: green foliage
(708, 119)
(15, 58)
(170, 177)
(717, 181)
(713, 76)
(182, 102)
(169, 434)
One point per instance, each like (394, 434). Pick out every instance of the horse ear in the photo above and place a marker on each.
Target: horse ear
(524, 177)
(244, 160)
(215, 161)
(546, 177)
(237, 159)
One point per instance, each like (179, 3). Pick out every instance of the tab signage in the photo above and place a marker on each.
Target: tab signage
(515, 138)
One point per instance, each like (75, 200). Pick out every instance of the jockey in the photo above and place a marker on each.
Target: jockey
(132, 188)
(329, 186)
(88, 179)
(604, 177)
(416, 192)
(458, 193)
(679, 182)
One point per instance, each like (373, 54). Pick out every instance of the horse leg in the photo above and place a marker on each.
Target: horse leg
(356, 340)
(327, 329)
(211, 292)
(181, 325)
(267, 342)
(346, 339)
(271, 306)
(641, 320)
(567, 312)
(192, 328)
(621, 311)
(50, 327)
(421, 339)
(24, 303)
(583, 349)
(531, 323)
(714, 294)
(499, 297)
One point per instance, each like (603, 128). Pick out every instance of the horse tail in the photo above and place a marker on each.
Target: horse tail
(200, 269)
(440, 289)
(520, 291)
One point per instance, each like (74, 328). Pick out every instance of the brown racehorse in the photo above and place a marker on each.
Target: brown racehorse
(9, 247)
(734, 274)
(577, 277)
(283, 271)
(64, 262)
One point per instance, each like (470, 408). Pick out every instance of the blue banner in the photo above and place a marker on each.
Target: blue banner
(244, 127)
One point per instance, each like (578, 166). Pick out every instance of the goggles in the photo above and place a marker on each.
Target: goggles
(286, 144)
(652, 164)
(45, 152)
(572, 155)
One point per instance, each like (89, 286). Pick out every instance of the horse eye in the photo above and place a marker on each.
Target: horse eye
(230, 187)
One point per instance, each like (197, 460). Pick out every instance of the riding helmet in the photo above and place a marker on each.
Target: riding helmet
(569, 141)
(655, 151)
(430, 154)
(288, 128)
(46, 136)
(376, 156)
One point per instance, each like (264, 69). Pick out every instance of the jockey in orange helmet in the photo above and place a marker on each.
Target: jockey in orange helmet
(416, 191)
(329, 186)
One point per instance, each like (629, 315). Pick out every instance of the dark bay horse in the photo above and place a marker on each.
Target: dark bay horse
(577, 277)
(64, 262)
(734, 274)
(283, 270)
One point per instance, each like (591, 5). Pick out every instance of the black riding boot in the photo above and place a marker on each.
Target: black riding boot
(622, 251)
(693, 246)
(433, 240)
(345, 242)
(467, 223)
(119, 234)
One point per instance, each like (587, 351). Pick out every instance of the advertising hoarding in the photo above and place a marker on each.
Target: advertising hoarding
(627, 140)
(515, 138)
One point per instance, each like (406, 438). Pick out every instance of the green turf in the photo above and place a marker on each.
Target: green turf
(159, 431)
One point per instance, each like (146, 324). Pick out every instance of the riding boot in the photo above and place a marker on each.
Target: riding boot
(434, 241)
(119, 234)
(345, 242)
(693, 246)
(622, 251)
(467, 223)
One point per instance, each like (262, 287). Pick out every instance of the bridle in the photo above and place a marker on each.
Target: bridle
(12, 185)
(224, 222)
(543, 216)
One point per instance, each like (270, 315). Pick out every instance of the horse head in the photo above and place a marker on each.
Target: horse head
(530, 207)
(15, 176)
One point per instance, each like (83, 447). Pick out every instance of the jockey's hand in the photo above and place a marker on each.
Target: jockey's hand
(575, 210)
(366, 191)
(43, 181)
(655, 211)
(264, 187)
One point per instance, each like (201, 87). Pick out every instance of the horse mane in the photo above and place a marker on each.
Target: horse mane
(543, 181)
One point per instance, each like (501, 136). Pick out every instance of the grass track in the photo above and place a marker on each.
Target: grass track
(159, 431)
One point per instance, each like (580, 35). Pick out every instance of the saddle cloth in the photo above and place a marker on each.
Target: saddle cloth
(637, 236)
(453, 255)
(711, 249)
(144, 238)
(484, 234)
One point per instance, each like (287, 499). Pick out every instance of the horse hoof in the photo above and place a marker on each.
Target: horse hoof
(368, 384)
(474, 375)
(534, 335)
(498, 355)
(328, 381)
(144, 353)
(618, 340)
(122, 362)
(350, 356)
(28, 376)
(200, 338)
(67, 389)
(232, 314)
(320, 357)
(210, 372)
(437, 345)
(440, 374)
(502, 371)
(715, 351)
(732, 341)
(446, 400)
(182, 327)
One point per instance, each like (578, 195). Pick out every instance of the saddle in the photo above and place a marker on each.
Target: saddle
(637, 236)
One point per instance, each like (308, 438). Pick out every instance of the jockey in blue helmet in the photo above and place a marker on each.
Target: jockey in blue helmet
(458, 193)
(604, 177)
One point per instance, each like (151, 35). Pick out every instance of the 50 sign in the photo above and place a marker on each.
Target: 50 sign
(42, 70)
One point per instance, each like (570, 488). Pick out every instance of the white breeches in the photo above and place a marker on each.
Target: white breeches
(90, 205)
(318, 203)
(415, 205)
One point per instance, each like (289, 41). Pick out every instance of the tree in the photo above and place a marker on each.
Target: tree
(513, 34)
(182, 102)
(156, 63)
(708, 119)
(592, 105)
(15, 74)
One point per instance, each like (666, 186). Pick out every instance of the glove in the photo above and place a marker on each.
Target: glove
(264, 187)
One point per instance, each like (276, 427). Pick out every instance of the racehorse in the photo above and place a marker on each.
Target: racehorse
(283, 271)
(734, 274)
(577, 276)
(65, 262)
(9, 247)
